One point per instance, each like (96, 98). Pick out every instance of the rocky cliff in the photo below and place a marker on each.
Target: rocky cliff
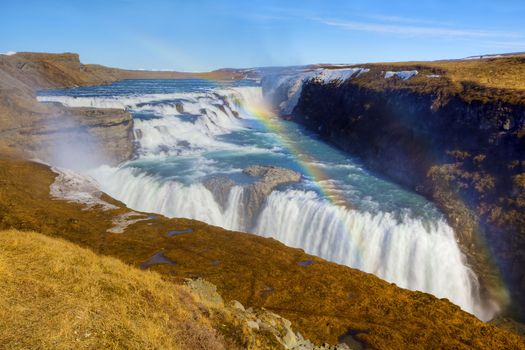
(449, 130)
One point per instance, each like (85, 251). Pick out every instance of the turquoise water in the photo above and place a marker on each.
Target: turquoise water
(254, 144)
(188, 131)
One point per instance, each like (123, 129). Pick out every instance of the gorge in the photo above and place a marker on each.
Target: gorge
(217, 151)
(190, 133)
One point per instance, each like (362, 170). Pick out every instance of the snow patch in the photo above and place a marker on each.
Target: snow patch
(405, 74)
(285, 90)
(8, 53)
(333, 75)
(76, 188)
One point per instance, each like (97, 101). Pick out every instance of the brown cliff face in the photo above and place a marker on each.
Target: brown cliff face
(464, 150)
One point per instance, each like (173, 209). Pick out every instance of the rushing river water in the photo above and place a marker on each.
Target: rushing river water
(189, 131)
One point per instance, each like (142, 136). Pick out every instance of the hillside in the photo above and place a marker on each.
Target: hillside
(259, 272)
(54, 294)
(473, 80)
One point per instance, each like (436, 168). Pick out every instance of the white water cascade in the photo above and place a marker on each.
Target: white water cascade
(415, 253)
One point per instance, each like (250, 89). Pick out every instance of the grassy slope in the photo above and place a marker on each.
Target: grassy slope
(486, 80)
(55, 295)
(322, 300)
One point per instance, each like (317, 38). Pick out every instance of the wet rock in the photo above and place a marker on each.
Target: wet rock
(220, 187)
(269, 177)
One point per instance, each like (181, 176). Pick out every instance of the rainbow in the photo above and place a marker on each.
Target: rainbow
(270, 121)
(264, 116)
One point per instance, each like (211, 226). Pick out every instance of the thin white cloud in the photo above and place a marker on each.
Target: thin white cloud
(413, 30)
(402, 19)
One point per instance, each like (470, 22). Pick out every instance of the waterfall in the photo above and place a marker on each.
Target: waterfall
(183, 139)
(412, 253)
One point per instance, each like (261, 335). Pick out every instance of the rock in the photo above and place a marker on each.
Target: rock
(253, 325)
(290, 339)
(269, 177)
(254, 195)
(237, 305)
(220, 187)
(205, 290)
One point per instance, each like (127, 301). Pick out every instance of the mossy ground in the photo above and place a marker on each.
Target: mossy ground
(323, 300)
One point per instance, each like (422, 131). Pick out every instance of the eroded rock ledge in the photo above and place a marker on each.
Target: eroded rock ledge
(265, 180)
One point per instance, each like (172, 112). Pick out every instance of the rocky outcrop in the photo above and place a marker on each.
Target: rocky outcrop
(256, 328)
(220, 187)
(52, 132)
(267, 179)
(264, 180)
(465, 154)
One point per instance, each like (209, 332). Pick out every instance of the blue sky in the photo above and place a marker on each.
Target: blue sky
(197, 35)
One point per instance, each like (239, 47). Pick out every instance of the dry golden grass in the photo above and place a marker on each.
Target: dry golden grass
(56, 295)
(485, 80)
(500, 73)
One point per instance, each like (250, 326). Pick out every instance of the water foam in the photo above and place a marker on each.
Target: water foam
(415, 253)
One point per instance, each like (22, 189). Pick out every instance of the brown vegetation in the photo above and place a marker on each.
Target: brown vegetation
(323, 300)
(485, 80)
